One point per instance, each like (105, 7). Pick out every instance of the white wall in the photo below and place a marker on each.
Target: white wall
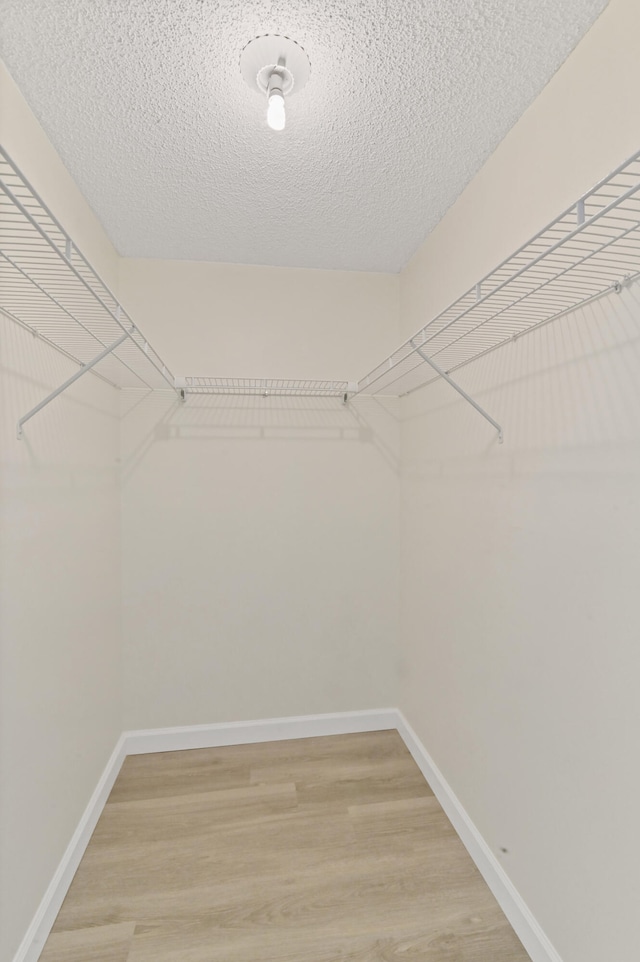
(519, 654)
(60, 651)
(260, 536)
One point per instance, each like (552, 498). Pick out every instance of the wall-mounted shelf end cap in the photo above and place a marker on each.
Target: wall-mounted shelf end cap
(352, 388)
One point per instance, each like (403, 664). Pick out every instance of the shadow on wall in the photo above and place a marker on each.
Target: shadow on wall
(567, 386)
(149, 419)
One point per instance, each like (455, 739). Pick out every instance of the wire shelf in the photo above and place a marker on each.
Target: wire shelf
(281, 387)
(592, 248)
(48, 287)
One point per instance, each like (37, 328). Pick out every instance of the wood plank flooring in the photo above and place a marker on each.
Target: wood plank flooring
(315, 850)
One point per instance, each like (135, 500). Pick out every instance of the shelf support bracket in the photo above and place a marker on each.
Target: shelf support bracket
(456, 387)
(69, 382)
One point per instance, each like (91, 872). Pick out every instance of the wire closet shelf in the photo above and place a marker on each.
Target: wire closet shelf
(48, 287)
(263, 387)
(589, 250)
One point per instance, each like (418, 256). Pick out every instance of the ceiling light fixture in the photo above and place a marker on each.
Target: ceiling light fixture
(276, 67)
(276, 114)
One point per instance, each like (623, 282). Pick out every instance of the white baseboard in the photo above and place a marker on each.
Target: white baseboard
(517, 912)
(263, 730)
(276, 729)
(38, 932)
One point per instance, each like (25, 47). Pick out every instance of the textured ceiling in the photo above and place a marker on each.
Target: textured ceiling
(145, 103)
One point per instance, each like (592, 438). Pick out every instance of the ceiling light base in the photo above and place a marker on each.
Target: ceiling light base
(262, 55)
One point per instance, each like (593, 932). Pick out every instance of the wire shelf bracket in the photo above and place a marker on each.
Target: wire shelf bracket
(71, 380)
(456, 387)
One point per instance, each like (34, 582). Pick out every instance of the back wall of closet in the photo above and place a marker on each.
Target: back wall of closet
(260, 535)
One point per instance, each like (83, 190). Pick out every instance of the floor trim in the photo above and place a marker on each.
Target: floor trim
(42, 922)
(276, 729)
(509, 899)
(262, 730)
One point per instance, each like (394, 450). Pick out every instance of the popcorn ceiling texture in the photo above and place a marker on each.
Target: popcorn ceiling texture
(406, 100)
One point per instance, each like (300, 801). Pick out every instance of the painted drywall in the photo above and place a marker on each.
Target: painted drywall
(60, 652)
(519, 624)
(260, 535)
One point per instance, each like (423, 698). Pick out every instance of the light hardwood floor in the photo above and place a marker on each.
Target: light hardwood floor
(315, 850)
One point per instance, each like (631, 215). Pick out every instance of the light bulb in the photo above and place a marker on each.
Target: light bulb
(275, 110)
